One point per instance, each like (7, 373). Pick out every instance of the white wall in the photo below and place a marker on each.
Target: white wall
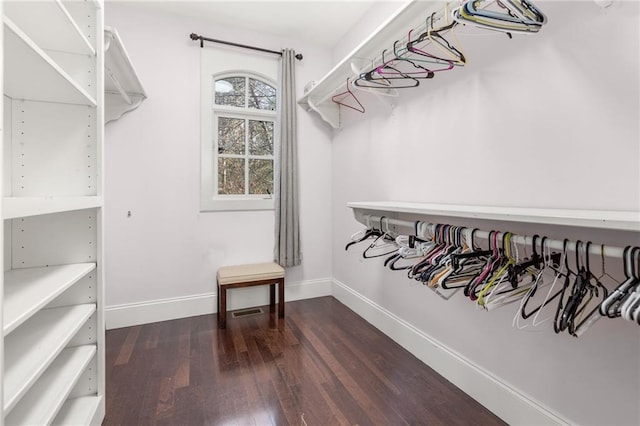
(167, 249)
(546, 120)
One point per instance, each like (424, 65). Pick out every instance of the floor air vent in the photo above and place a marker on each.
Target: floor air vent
(246, 312)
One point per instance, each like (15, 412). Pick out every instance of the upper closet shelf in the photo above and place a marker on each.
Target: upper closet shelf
(32, 74)
(602, 219)
(49, 25)
(318, 98)
(123, 90)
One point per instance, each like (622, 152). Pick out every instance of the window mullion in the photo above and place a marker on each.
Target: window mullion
(246, 156)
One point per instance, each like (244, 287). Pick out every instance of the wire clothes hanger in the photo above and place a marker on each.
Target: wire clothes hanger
(342, 97)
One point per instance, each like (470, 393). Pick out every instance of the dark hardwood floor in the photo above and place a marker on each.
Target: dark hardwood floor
(321, 365)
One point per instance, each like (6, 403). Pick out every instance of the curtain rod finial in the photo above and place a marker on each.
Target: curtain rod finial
(194, 36)
(299, 56)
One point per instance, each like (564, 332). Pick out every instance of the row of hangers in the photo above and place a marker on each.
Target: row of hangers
(420, 58)
(546, 285)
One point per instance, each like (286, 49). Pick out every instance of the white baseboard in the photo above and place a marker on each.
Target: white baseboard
(504, 401)
(202, 304)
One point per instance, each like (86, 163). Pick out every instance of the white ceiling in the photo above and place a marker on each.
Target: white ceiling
(320, 22)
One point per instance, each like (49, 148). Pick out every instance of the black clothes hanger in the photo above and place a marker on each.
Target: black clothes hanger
(416, 71)
(532, 292)
(559, 321)
(393, 79)
(385, 238)
(595, 289)
(369, 233)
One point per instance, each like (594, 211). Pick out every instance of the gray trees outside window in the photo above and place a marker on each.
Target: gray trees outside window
(244, 115)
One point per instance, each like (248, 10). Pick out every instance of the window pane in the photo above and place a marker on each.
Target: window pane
(230, 135)
(260, 176)
(261, 95)
(260, 137)
(230, 91)
(230, 176)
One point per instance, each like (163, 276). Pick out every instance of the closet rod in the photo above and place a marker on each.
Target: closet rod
(202, 39)
(595, 249)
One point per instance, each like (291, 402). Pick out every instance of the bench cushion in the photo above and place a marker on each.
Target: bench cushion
(252, 272)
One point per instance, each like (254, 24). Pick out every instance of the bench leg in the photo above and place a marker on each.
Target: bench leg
(222, 310)
(272, 296)
(281, 297)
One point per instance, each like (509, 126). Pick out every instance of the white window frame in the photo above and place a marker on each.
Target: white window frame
(211, 70)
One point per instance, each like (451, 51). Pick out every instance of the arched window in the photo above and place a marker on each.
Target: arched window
(244, 112)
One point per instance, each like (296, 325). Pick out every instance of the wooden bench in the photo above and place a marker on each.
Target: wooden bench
(249, 276)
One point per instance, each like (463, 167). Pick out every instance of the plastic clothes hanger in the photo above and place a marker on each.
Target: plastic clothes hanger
(587, 323)
(398, 80)
(628, 305)
(610, 305)
(370, 81)
(340, 99)
(384, 243)
(539, 284)
(487, 268)
(360, 236)
(500, 21)
(501, 273)
(431, 58)
(392, 67)
(451, 53)
(593, 291)
(494, 263)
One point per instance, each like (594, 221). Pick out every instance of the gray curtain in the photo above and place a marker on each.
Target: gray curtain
(287, 243)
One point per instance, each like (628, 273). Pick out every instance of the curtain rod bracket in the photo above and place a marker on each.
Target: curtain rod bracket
(194, 36)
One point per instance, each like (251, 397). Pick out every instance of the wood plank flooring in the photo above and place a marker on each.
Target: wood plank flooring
(321, 365)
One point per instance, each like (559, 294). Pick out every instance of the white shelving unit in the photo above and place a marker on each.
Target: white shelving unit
(123, 89)
(52, 201)
(619, 220)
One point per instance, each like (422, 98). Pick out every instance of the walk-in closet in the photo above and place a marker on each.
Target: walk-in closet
(320, 212)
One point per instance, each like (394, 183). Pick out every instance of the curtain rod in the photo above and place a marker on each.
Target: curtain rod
(202, 39)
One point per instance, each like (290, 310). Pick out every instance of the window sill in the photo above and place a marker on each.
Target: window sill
(238, 204)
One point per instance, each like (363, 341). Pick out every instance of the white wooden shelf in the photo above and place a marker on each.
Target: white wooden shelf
(61, 33)
(16, 207)
(123, 89)
(31, 74)
(31, 348)
(45, 398)
(80, 411)
(28, 290)
(318, 98)
(603, 219)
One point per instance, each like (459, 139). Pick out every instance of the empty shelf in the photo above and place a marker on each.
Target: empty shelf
(85, 410)
(31, 348)
(15, 207)
(61, 32)
(29, 73)
(45, 398)
(28, 290)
